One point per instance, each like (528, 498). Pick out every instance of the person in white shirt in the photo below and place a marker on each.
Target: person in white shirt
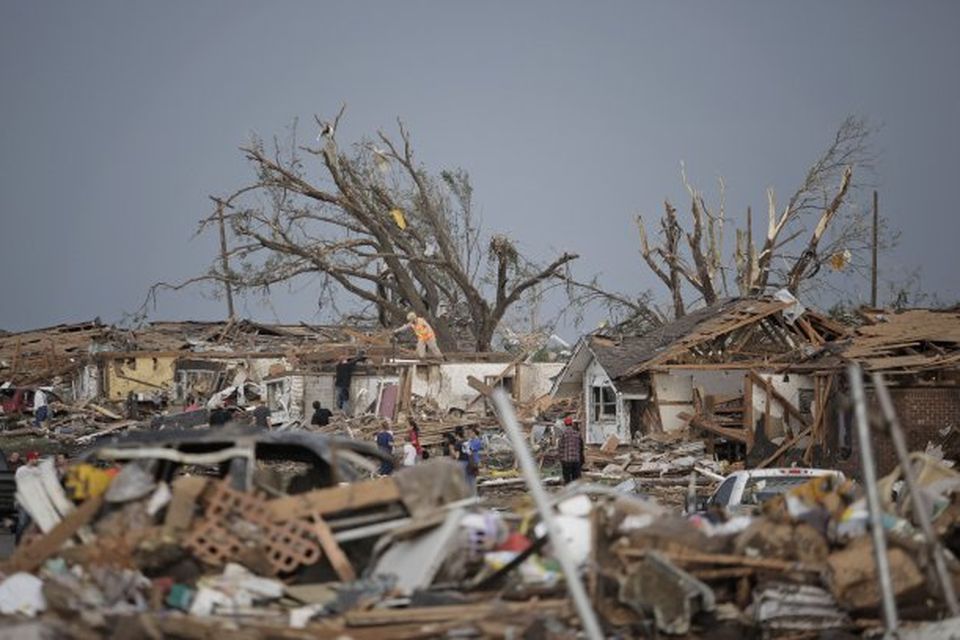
(41, 410)
(409, 453)
(26, 473)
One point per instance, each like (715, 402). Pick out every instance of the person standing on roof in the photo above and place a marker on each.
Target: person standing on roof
(342, 379)
(426, 338)
(41, 409)
(570, 451)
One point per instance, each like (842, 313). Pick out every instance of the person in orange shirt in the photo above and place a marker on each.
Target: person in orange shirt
(426, 339)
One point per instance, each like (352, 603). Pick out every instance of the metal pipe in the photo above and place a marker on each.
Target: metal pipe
(873, 499)
(528, 468)
(918, 500)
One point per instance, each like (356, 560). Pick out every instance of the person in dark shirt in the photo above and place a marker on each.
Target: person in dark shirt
(219, 417)
(321, 416)
(385, 444)
(261, 416)
(450, 447)
(342, 378)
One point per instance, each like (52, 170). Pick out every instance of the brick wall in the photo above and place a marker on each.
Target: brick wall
(924, 412)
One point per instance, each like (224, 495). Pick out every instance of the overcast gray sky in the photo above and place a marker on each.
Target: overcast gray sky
(119, 118)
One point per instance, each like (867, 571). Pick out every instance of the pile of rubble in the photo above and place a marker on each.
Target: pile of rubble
(291, 534)
(238, 529)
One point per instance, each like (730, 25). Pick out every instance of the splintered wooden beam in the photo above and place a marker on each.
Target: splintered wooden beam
(713, 328)
(462, 612)
(725, 559)
(784, 447)
(788, 406)
(30, 557)
(478, 385)
(486, 389)
(334, 499)
(701, 422)
(338, 559)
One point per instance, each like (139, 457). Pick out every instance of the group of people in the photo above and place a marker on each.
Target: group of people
(27, 465)
(29, 460)
(456, 445)
(412, 451)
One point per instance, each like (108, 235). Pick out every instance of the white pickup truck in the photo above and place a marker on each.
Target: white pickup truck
(745, 489)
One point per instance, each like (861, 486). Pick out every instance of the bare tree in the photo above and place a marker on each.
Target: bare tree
(818, 226)
(375, 225)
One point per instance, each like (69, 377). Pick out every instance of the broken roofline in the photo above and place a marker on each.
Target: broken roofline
(905, 342)
(661, 347)
(331, 351)
(626, 357)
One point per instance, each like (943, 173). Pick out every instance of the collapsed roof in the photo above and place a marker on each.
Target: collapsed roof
(911, 341)
(736, 333)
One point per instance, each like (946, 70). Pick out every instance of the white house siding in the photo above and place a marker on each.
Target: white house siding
(317, 387)
(674, 391)
(536, 379)
(447, 385)
(364, 390)
(598, 431)
(86, 383)
(295, 410)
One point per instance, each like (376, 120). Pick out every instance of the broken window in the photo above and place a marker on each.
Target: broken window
(500, 382)
(604, 402)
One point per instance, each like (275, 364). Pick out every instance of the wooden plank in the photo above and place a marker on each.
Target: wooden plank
(701, 422)
(116, 426)
(186, 491)
(105, 412)
(30, 557)
(496, 381)
(462, 612)
(336, 556)
(748, 423)
(768, 406)
(726, 559)
(788, 406)
(786, 445)
(481, 387)
(723, 574)
(326, 501)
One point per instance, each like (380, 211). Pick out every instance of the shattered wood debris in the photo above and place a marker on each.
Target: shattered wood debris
(180, 530)
(200, 529)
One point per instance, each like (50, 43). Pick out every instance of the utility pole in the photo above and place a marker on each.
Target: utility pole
(876, 241)
(224, 263)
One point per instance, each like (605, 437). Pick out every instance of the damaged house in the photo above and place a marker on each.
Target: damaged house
(719, 369)
(384, 386)
(918, 353)
(286, 366)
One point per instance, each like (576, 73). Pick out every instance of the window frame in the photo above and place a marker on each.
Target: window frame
(603, 403)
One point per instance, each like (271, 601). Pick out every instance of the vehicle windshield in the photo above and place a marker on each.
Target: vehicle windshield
(759, 490)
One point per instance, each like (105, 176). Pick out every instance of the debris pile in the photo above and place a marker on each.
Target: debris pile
(195, 530)
(268, 534)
